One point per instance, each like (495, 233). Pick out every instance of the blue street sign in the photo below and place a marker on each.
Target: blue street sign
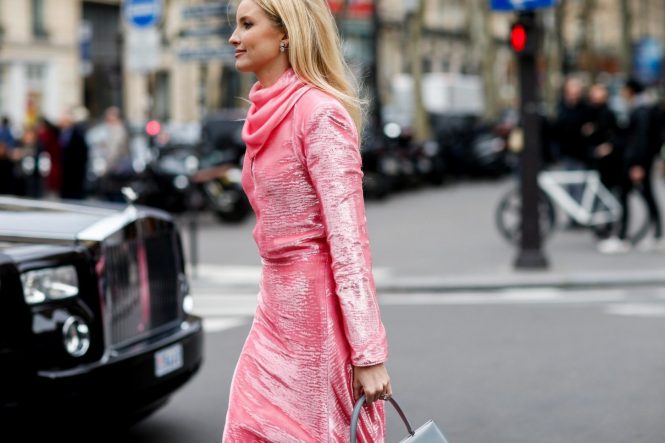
(648, 60)
(142, 13)
(520, 5)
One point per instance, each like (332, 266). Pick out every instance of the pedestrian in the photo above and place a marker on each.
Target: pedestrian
(570, 149)
(74, 151)
(642, 144)
(48, 136)
(601, 134)
(572, 111)
(6, 134)
(317, 340)
(6, 169)
(32, 148)
(115, 149)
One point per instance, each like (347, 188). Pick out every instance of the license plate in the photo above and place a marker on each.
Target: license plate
(168, 360)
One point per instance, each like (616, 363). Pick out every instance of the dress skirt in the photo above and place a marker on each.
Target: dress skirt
(293, 380)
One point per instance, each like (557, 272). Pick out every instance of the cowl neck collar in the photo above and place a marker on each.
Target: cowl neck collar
(269, 107)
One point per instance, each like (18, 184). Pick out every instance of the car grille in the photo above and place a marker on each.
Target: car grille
(142, 286)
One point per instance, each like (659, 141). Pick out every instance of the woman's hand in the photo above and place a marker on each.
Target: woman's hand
(637, 174)
(373, 381)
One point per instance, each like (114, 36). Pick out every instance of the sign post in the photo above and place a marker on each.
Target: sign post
(143, 42)
(142, 13)
(525, 41)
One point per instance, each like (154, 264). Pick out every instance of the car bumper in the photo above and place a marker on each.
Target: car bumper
(126, 380)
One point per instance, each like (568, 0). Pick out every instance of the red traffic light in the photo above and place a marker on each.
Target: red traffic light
(518, 37)
(152, 128)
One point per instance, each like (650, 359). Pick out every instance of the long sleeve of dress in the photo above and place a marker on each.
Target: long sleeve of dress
(334, 164)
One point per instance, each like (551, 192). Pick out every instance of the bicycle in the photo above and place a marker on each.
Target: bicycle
(579, 194)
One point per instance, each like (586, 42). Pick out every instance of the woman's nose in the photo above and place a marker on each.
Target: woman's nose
(234, 38)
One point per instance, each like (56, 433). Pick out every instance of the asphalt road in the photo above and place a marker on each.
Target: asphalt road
(536, 366)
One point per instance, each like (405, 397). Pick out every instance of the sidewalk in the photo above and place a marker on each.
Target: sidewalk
(440, 240)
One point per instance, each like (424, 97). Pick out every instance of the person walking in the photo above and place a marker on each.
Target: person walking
(317, 341)
(74, 157)
(642, 143)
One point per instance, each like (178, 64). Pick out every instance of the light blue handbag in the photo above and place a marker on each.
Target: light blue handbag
(427, 433)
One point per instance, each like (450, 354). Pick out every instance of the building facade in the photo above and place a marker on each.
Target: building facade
(55, 54)
(39, 58)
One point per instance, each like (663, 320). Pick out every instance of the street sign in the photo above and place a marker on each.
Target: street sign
(143, 49)
(142, 13)
(205, 11)
(520, 5)
(648, 60)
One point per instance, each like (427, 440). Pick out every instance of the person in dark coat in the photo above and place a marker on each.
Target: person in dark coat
(6, 170)
(642, 143)
(74, 158)
(572, 112)
(601, 135)
(48, 136)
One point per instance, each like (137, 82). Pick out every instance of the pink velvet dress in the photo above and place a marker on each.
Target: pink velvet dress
(317, 312)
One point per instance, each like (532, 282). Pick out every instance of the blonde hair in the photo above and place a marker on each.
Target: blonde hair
(315, 50)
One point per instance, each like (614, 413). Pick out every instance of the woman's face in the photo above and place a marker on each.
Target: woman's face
(256, 39)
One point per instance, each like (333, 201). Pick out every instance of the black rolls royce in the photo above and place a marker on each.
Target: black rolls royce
(94, 312)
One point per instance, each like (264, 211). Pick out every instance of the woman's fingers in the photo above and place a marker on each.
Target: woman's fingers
(387, 391)
(357, 391)
(373, 381)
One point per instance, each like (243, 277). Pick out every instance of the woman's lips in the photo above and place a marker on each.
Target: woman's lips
(239, 53)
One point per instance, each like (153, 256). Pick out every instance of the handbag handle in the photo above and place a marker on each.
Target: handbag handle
(356, 415)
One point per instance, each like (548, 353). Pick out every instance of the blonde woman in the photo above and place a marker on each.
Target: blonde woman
(317, 341)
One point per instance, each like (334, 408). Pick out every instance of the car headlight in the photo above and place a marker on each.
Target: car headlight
(42, 285)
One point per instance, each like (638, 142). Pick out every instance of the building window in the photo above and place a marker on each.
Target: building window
(36, 79)
(38, 28)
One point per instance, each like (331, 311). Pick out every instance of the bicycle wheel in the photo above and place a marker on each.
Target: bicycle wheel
(508, 216)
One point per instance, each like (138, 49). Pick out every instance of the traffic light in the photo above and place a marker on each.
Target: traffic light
(523, 38)
(152, 130)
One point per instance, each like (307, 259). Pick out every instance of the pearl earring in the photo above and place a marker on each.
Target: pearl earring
(282, 47)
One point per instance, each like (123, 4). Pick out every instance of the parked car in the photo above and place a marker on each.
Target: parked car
(95, 319)
(471, 147)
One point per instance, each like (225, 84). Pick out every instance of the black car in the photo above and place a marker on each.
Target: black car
(94, 313)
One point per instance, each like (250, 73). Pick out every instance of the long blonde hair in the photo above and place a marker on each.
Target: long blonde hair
(315, 50)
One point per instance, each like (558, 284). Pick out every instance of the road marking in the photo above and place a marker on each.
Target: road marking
(214, 324)
(637, 310)
(224, 305)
